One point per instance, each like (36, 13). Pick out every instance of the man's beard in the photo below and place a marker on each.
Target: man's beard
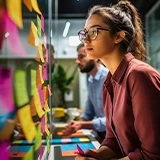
(89, 66)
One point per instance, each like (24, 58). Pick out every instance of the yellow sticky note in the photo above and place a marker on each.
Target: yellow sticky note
(46, 107)
(45, 118)
(33, 81)
(40, 51)
(33, 37)
(29, 155)
(14, 8)
(46, 130)
(37, 104)
(28, 4)
(35, 6)
(84, 139)
(38, 139)
(40, 73)
(27, 124)
(21, 94)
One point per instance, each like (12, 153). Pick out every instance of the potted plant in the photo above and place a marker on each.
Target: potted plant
(61, 83)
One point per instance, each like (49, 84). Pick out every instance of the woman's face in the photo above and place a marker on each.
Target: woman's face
(104, 44)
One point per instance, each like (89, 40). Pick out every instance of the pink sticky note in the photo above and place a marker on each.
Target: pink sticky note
(2, 29)
(13, 40)
(43, 124)
(49, 90)
(66, 140)
(3, 150)
(47, 60)
(41, 96)
(80, 151)
(41, 151)
(6, 91)
(42, 22)
(45, 40)
(45, 72)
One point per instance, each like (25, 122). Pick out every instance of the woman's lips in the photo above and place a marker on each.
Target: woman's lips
(89, 49)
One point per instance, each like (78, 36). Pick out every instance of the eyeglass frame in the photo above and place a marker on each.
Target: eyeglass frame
(86, 33)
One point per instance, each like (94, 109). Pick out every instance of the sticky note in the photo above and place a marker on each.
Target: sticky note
(35, 6)
(41, 96)
(46, 129)
(6, 91)
(33, 81)
(40, 51)
(38, 79)
(28, 4)
(13, 40)
(42, 22)
(45, 40)
(29, 155)
(49, 90)
(40, 73)
(45, 71)
(27, 124)
(32, 107)
(46, 107)
(37, 104)
(3, 150)
(20, 86)
(33, 37)
(84, 139)
(48, 143)
(45, 89)
(38, 137)
(14, 9)
(38, 26)
(43, 124)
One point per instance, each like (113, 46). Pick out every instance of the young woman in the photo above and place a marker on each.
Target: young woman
(131, 93)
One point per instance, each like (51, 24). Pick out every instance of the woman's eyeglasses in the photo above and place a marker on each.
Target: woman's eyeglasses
(91, 34)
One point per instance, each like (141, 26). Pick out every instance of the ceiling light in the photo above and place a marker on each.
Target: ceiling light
(66, 29)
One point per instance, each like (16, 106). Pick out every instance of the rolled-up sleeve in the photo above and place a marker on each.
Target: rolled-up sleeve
(99, 124)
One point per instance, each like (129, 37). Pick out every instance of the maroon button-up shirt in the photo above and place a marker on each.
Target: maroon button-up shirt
(132, 107)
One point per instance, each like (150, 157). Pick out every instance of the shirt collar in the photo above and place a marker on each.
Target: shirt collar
(118, 74)
(97, 76)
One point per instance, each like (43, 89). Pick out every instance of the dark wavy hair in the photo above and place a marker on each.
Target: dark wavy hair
(124, 17)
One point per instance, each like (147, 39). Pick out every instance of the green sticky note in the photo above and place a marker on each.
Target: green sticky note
(33, 81)
(48, 143)
(20, 87)
(29, 155)
(38, 138)
(38, 26)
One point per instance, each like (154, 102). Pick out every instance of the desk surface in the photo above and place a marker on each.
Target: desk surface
(86, 132)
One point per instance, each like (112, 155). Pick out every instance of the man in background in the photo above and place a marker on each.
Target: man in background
(93, 116)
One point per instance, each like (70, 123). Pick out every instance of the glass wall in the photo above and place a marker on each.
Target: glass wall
(153, 34)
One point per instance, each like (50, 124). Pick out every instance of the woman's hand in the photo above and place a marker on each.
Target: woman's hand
(91, 155)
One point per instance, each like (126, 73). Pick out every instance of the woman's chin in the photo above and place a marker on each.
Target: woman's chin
(90, 56)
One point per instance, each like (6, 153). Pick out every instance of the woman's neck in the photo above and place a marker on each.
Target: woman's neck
(112, 61)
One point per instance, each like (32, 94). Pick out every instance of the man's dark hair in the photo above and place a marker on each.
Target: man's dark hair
(80, 46)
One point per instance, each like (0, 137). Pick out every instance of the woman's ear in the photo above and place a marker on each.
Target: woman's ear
(119, 37)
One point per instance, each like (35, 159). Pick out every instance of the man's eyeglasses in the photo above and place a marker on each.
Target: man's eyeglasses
(91, 34)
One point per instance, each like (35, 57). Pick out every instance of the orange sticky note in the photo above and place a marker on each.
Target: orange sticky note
(38, 79)
(37, 104)
(45, 89)
(14, 8)
(35, 6)
(28, 4)
(49, 90)
(33, 37)
(40, 73)
(46, 107)
(27, 124)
